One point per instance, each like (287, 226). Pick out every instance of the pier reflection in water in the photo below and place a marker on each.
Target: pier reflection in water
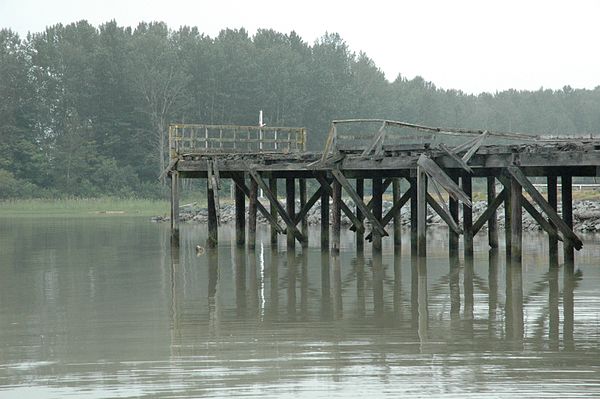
(451, 325)
(110, 310)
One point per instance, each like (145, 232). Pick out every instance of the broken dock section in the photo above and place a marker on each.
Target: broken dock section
(435, 166)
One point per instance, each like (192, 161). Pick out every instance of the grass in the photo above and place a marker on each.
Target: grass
(86, 207)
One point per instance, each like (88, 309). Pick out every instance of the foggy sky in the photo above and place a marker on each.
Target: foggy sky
(472, 46)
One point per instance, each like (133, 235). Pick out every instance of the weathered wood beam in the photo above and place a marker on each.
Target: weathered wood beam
(443, 179)
(386, 184)
(360, 235)
(252, 207)
(336, 217)
(562, 225)
(553, 201)
(377, 187)
(308, 205)
(175, 207)
(347, 211)
(375, 144)
(303, 219)
(467, 188)
(242, 185)
(516, 227)
(282, 212)
(290, 205)
(324, 218)
(240, 215)
(492, 221)
(397, 216)
(213, 237)
(452, 236)
(421, 211)
(445, 215)
(545, 224)
(456, 158)
(395, 208)
(273, 188)
(566, 183)
(475, 147)
(490, 212)
(339, 176)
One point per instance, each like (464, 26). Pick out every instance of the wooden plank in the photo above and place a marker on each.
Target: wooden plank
(360, 236)
(377, 197)
(336, 217)
(282, 212)
(566, 183)
(359, 203)
(360, 227)
(397, 216)
(445, 215)
(562, 226)
(242, 185)
(456, 158)
(395, 208)
(290, 205)
(547, 226)
(252, 206)
(386, 184)
(553, 201)
(240, 216)
(490, 211)
(475, 147)
(273, 211)
(324, 218)
(467, 188)
(436, 173)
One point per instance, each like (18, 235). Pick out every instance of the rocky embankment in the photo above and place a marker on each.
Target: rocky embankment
(586, 215)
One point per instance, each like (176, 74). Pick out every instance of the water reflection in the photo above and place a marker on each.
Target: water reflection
(233, 322)
(452, 300)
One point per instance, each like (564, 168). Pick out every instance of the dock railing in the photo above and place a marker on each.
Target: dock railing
(188, 139)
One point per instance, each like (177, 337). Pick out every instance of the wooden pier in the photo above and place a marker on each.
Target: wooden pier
(436, 167)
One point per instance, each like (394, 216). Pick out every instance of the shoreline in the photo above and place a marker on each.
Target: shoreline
(586, 215)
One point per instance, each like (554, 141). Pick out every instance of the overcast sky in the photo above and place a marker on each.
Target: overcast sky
(473, 45)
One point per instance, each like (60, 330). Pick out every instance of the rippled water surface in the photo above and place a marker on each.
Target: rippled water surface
(103, 307)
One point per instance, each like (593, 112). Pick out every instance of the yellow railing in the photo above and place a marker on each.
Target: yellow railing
(215, 139)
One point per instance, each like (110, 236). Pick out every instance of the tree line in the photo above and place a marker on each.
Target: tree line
(84, 110)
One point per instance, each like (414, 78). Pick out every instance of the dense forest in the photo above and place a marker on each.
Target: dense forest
(84, 110)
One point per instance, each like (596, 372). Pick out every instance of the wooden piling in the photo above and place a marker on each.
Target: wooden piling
(360, 235)
(304, 221)
(325, 219)
(453, 236)
(552, 238)
(413, 215)
(567, 215)
(213, 232)
(252, 208)
(175, 208)
(516, 227)
(396, 194)
(377, 190)
(273, 210)
(467, 215)
(290, 202)
(336, 218)
(421, 212)
(492, 222)
(507, 225)
(240, 214)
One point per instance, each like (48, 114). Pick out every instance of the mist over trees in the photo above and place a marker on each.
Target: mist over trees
(84, 110)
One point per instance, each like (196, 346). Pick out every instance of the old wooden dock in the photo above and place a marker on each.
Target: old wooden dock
(439, 165)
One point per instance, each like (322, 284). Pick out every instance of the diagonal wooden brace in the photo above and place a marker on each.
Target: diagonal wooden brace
(390, 215)
(489, 212)
(242, 185)
(339, 176)
(360, 227)
(436, 173)
(386, 184)
(542, 221)
(284, 215)
(560, 224)
(309, 204)
(456, 158)
(445, 215)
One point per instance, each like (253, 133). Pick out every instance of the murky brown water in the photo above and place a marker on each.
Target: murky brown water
(101, 308)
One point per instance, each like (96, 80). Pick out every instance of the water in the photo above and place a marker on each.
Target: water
(101, 307)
